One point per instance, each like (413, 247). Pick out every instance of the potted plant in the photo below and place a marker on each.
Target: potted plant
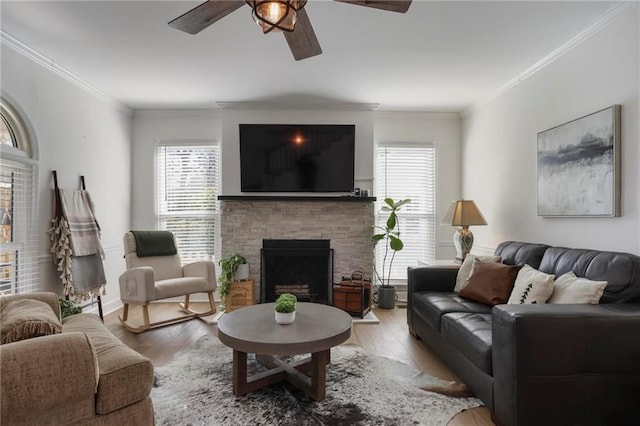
(68, 308)
(285, 308)
(232, 268)
(390, 235)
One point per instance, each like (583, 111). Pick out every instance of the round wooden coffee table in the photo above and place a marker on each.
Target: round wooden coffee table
(253, 329)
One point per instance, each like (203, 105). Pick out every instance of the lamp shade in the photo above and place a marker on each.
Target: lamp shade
(463, 213)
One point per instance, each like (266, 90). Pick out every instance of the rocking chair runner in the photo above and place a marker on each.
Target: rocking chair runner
(154, 272)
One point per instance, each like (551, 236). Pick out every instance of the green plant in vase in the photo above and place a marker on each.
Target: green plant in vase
(285, 308)
(228, 267)
(390, 235)
(68, 308)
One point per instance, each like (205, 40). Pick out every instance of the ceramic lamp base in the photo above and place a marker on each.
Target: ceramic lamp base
(463, 241)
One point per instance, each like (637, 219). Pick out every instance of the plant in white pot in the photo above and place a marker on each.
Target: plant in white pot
(285, 308)
(390, 235)
(232, 268)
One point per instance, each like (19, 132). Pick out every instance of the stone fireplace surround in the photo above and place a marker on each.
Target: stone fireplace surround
(348, 224)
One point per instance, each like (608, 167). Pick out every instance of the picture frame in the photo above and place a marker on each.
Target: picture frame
(578, 167)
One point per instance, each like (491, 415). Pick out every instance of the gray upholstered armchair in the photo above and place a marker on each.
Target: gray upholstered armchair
(154, 272)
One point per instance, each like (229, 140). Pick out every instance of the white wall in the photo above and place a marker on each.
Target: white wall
(499, 144)
(443, 130)
(77, 134)
(149, 129)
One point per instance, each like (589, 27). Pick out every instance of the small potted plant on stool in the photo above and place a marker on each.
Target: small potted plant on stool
(286, 308)
(232, 268)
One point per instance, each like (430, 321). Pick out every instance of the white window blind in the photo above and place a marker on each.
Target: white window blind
(19, 272)
(187, 190)
(407, 171)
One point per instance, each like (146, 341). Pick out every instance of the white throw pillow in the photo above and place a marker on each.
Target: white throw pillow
(569, 288)
(467, 266)
(531, 286)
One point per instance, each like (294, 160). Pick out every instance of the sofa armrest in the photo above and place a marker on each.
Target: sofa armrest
(432, 278)
(39, 376)
(49, 298)
(565, 364)
(428, 278)
(204, 269)
(137, 285)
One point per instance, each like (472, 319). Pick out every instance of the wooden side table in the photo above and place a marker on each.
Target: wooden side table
(240, 295)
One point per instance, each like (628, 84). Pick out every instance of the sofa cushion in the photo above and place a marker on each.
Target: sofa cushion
(174, 287)
(531, 286)
(470, 333)
(430, 306)
(521, 253)
(569, 288)
(467, 266)
(125, 375)
(620, 270)
(26, 318)
(490, 283)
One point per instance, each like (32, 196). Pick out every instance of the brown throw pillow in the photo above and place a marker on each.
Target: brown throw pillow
(490, 283)
(26, 318)
(467, 265)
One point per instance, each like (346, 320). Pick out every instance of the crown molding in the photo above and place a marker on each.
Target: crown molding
(26, 51)
(172, 113)
(342, 106)
(611, 16)
(418, 115)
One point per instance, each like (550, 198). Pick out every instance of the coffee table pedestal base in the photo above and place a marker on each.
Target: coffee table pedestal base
(293, 373)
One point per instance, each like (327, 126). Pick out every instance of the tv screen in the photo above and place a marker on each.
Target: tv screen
(296, 158)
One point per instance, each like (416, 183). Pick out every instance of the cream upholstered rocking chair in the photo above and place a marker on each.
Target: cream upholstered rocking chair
(154, 272)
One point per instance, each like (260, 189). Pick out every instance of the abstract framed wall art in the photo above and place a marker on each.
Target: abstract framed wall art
(579, 167)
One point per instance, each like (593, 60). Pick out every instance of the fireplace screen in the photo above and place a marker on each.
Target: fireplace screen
(300, 267)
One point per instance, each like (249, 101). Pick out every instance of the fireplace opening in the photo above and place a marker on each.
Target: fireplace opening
(300, 267)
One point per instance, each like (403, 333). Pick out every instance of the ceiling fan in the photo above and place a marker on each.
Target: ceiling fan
(288, 16)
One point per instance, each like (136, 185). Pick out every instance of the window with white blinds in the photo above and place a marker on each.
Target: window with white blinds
(407, 171)
(187, 190)
(19, 229)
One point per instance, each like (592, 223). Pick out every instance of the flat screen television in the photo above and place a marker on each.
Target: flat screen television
(297, 158)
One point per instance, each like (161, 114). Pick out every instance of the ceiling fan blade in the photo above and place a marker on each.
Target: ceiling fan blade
(302, 40)
(200, 17)
(400, 6)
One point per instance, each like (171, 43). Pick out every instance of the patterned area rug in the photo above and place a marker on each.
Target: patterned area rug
(195, 389)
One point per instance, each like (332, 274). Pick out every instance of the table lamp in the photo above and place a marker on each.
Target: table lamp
(463, 213)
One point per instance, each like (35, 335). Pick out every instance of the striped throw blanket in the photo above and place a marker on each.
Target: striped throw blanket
(84, 228)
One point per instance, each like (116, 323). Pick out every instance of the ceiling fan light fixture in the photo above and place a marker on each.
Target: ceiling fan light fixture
(275, 15)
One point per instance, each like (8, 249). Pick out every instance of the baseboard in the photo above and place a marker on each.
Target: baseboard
(107, 308)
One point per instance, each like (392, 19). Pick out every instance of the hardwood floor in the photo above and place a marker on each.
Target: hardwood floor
(390, 338)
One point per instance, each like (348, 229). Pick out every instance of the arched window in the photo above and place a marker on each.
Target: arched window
(18, 206)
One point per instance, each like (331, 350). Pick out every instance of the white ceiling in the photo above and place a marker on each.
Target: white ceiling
(439, 56)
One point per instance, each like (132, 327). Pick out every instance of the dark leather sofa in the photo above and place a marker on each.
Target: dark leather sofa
(540, 364)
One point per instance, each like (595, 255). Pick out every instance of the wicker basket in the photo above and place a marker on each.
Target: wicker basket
(240, 295)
